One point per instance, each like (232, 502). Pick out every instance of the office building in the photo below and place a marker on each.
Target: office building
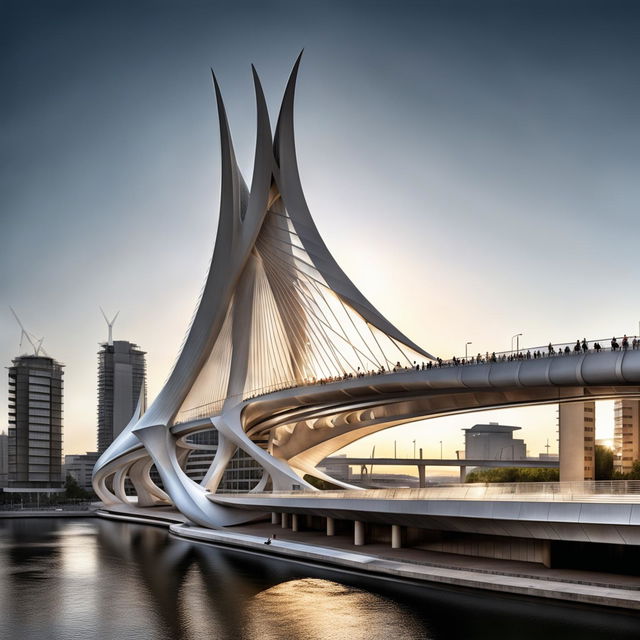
(626, 435)
(35, 423)
(80, 467)
(121, 377)
(493, 441)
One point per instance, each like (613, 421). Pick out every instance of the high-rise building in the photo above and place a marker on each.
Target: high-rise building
(626, 435)
(121, 377)
(35, 422)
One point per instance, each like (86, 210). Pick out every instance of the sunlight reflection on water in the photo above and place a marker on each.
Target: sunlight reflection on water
(323, 610)
(63, 579)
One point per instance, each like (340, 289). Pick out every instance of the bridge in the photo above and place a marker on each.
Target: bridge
(289, 362)
(462, 463)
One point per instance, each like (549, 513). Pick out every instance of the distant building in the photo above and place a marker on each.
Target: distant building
(241, 475)
(4, 459)
(626, 435)
(35, 423)
(80, 467)
(336, 469)
(121, 377)
(493, 441)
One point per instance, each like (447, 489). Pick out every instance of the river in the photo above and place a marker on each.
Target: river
(97, 579)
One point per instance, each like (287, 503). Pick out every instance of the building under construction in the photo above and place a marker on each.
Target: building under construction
(122, 374)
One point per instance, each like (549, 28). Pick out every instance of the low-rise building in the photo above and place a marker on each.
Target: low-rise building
(80, 467)
(493, 441)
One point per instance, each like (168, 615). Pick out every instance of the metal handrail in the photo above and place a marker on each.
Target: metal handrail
(214, 407)
(587, 491)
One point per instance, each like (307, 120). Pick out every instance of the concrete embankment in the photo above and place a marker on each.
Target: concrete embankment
(626, 597)
(26, 513)
(592, 589)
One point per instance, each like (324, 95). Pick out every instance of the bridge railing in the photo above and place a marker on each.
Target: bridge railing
(587, 491)
(558, 349)
(554, 350)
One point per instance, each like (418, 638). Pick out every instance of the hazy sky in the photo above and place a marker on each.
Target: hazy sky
(473, 166)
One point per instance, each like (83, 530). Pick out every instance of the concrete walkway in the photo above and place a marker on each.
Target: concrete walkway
(522, 578)
(445, 560)
(594, 589)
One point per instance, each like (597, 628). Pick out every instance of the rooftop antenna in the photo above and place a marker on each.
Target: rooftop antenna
(110, 325)
(37, 345)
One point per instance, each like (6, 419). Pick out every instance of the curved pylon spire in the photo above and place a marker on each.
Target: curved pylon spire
(285, 154)
(276, 311)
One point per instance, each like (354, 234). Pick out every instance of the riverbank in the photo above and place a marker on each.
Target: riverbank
(48, 513)
(413, 565)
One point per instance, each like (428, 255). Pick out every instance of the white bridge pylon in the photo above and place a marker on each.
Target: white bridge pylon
(276, 311)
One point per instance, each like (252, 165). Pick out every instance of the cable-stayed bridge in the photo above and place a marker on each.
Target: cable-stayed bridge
(289, 362)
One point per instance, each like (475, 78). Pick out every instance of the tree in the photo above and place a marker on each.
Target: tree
(634, 474)
(604, 463)
(513, 474)
(73, 491)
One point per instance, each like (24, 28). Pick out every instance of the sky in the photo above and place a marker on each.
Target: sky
(472, 166)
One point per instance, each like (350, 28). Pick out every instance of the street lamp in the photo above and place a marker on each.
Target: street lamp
(517, 337)
(466, 344)
(440, 449)
(414, 449)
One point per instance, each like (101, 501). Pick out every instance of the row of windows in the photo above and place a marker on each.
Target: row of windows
(42, 379)
(39, 388)
(39, 436)
(39, 412)
(39, 404)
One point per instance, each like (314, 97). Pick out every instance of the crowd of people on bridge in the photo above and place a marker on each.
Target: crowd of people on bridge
(580, 347)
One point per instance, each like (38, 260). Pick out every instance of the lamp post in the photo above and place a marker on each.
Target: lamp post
(440, 449)
(466, 344)
(414, 449)
(517, 337)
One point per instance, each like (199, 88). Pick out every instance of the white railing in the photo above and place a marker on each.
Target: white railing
(555, 350)
(588, 491)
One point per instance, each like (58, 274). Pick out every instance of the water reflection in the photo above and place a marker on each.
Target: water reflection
(86, 579)
(319, 609)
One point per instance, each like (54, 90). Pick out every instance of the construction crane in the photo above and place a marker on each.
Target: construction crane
(36, 343)
(110, 325)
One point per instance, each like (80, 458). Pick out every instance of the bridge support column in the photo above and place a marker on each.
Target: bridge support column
(331, 527)
(463, 474)
(577, 432)
(358, 533)
(422, 476)
(546, 553)
(294, 522)
(285, 520)
(396, 536)
(275, 518)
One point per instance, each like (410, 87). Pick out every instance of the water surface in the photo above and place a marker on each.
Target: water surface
(96, 579)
